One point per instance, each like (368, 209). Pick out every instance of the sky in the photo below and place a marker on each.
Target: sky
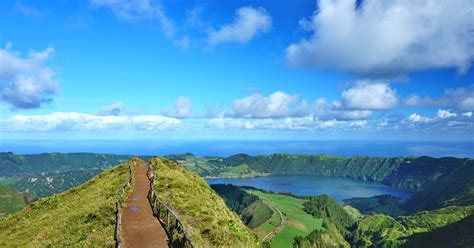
(237, 70)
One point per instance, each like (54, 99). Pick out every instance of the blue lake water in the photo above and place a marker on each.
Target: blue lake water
(337, 187)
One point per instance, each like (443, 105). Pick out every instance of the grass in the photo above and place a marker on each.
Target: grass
(208, 220)
(8, 180)
(10, 201)
(83, 216)
(260, 213)
(298, 223)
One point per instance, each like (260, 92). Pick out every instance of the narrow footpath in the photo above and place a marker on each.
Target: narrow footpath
(140, 228)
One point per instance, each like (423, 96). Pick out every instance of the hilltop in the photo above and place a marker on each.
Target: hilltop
(84, 215)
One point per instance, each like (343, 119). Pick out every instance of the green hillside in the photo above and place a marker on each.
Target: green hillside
(208, 220)
(455, 188)
(46, 174)
(253, 211)
(413, 173)
(12, 201)
(80, 217)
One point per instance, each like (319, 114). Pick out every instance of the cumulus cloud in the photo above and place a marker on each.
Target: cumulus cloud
(138, 10)
(386, 38)
(278, 104)
(248, 23)
(367, 95)
(443, 114)
(113, 109)
(183, 108)
(26, 82)
(73, 121)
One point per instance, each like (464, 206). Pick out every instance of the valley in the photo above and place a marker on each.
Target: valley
(435, 199)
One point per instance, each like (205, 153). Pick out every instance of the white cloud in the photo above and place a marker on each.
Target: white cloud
(458, 98)
(417, 118)
(113, 109)
(278, 104)
(183, 108)
(73, 121)
(359, 123)
(444, 120)
(138, 10)
(367, 95)
(26, 82)
(324, 110)
(248, 23)
(386, 38)
(467, 114)
(443, 114)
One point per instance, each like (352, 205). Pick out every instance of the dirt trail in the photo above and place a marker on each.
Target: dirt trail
(140, 228)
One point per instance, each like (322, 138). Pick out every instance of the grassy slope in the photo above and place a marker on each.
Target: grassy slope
(82, 216)
(384, 231)
(299, 223)
(209, 221)
(269, 225)
(10, 201)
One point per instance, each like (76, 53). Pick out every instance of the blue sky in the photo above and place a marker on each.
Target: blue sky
(311, 70)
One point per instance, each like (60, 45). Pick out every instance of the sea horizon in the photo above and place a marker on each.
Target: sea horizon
(461, 149)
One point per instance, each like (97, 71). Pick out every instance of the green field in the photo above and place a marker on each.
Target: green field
(298, 223)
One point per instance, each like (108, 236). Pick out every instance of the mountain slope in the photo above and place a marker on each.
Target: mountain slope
(208, 220)
(452, 189)
(46, 174)
(12, 201)
(82, 216)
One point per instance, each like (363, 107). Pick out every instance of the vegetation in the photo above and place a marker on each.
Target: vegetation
(298, 222)
(385, 204)
(250, 208)
(455, 188)
(12, 201)
(330, 237)
(426, 221)
(457, 234)
(50, 173)
(324, 207)
(211, 167)
(209, 222)
(378, 231)
(413, 173)
(336, 220)
(83, 216)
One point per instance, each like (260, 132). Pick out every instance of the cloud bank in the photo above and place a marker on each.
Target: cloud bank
(73, 121)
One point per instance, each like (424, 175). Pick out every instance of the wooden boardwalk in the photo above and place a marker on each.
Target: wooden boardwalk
(140, 228)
